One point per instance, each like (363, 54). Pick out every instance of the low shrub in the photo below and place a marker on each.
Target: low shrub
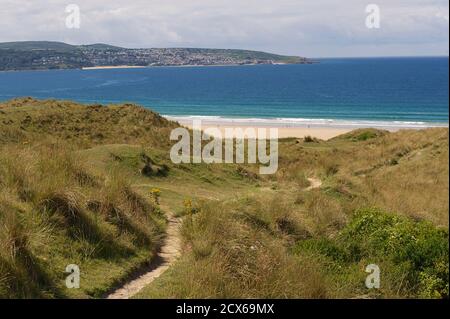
(418, 250)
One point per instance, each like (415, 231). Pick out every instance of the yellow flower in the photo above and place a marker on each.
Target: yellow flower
(156, 193)
(188, 206)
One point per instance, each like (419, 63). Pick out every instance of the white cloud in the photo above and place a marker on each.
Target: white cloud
(301, 27)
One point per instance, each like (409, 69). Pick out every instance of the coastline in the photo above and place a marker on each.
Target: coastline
(113, 67)
(107, 67)
(298, 128)
(178, 66)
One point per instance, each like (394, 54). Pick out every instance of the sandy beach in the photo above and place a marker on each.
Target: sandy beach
(322, 133)
(113, 67)
(298, 130)
(108, 67)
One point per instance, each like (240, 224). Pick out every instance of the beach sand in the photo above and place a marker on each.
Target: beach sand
(113, 67)
(323, 133)
(319, 129)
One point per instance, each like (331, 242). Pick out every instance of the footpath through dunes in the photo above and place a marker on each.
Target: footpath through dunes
(168, 254)
(78, 185)
(67, 191)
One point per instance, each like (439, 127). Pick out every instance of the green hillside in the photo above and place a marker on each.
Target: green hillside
(94, 186)
(44, 55)
(37, 45)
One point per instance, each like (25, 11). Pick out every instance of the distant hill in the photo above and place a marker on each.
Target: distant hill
(37, 45)
(99, 46)
(38, 55)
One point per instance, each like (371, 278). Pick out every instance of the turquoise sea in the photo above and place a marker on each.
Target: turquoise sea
(367, 91)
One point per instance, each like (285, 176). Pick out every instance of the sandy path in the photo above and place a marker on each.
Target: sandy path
(315, 183)
(168, 254)
(170, 251)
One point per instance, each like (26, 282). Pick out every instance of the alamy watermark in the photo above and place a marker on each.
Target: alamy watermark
(373, 19)
(373, 280)
(73, 279)
(227, 146)
(73, 18)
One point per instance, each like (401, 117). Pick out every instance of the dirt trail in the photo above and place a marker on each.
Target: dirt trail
(167, 255)
(315, 183)
(170, 251)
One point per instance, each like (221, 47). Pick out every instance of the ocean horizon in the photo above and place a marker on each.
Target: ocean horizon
(337, 92)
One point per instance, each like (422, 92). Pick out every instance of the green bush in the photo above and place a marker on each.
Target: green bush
(365, 136)
(376, 233)
(417, 250)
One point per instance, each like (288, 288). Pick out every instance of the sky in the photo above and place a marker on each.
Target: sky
(311, 28)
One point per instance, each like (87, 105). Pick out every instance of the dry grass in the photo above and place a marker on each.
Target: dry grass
(54, 211)
(238, 250)
(30, 121)
(248, 247)
(67, 196)
(406, 171)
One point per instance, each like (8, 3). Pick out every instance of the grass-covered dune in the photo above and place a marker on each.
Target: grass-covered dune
(80, 185)
(31, 121)
(58, 208)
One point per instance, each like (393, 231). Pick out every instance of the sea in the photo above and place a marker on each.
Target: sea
(352, 92)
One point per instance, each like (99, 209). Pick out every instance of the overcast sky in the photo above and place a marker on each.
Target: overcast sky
(313, 28)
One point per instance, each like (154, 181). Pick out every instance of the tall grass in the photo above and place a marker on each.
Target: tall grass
(238, 250)
(55, 211)
(66, 197)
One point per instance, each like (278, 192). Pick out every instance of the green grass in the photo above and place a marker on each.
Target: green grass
(413, 256)
(55, 212)
(76, 183)
(240, 253)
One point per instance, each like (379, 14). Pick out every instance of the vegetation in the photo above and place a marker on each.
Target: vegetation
(55, 211)
(44, 55)
(413, 255)
(92, 185)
